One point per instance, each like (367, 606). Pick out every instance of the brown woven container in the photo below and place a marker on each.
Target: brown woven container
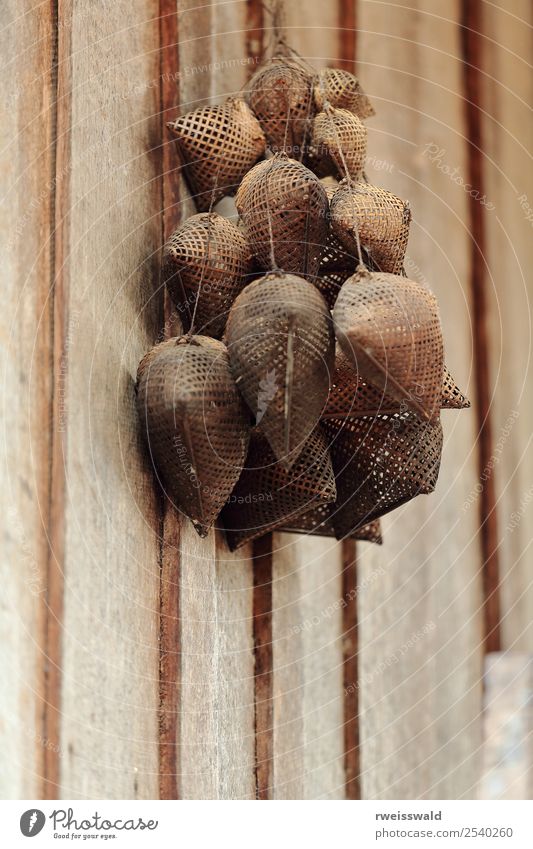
(281, 347)
(195, 423)
(218, 145)
(381, 218)
(336, 263)
(280, 96)
(340, 136)
(210, 253)
(389, 327)
(342, 90)
(380, 463)
(267, 495)
(283, 205)
(317, 522)
(351, 395)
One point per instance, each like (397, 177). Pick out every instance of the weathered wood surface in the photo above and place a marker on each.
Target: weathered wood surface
(216, 746)
(419, 603)
(26, 216)
(109, 225)
(506, 96)
(507, 766)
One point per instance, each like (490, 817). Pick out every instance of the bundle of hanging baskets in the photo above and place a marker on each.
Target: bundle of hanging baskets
(305, 392)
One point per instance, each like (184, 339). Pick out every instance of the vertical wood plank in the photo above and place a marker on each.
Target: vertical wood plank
(507, 91)
(308, 719)
(27, 165)
(216, 730)
(419, 615)
(507, 771)
(111, 225)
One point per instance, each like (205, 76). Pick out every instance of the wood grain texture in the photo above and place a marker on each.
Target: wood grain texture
(420, 633)
(110, 627)
(507, 91)
(216, 746)
(26, 330)
(507, 767)
(308, 703)
(308, 719)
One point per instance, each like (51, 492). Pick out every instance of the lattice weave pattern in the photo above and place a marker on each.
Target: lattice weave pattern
(343, 90)
(207, 253)
(218, 145)
(340, 136)
(195, 424)
(280, 95)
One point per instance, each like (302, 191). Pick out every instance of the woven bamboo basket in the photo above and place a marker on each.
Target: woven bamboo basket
(280, 96)
(342, 90)
(389, 327)
(284, 211)
(218, 146)
(196, 426)
(380, 463)
(281, 346)
(340, 137)
(268, 495)
(207, 260)
(351, 395)
(318, 522)
(381, 219)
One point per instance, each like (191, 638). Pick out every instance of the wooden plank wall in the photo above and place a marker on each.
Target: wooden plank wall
(139, 660)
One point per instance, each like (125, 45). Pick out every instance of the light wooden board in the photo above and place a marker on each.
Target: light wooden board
(507, 767)
(419, 604)
(111, 226)
(216, 725)
(508, 139)
(26, 165)
(308, 696)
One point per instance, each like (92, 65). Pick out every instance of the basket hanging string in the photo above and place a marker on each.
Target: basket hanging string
(273, 262)
(329, 109)
(190, 332)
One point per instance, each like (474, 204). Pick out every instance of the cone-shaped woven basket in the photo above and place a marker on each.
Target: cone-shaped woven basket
(340, 136)
(342, 90)
(195, 424)
(351, 395)
(389, 327)
(336, 263)
(317, 522)
(380, 463)
(280, 96)
(218, 145)
(281, 347)
(284, 207)
(209, 253)
(267, 495)
(381, 219)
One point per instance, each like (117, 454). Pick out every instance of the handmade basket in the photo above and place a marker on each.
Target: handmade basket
(268, 495)
(284, 210)
(339, 136)
(206, 259)
(280, 96)
(342, 90)
(218, 146)
(318, 522)
(380, 463)
(381, 219)
(351, 395)
(196, 426)
(281, 347)
(389, 327)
